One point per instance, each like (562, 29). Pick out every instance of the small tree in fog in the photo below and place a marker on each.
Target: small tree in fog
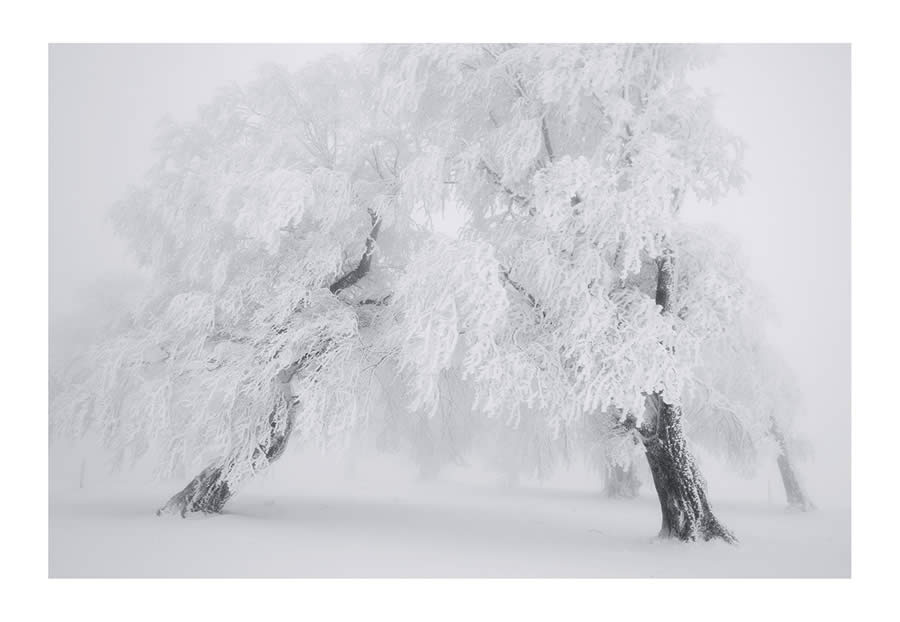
(744, 401)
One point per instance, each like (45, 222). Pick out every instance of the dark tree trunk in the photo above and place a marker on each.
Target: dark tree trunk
(621, 482)
(796, 497)
(215, 485)
(210, 491)
(686, 513)
(205, 494)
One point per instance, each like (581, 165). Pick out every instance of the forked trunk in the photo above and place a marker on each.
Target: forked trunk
(686, 513)
(621, 482)
(796, 497)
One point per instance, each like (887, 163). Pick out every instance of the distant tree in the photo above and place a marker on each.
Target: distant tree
(615, 452)
(621, 481)
(744, 401)
(433, 440)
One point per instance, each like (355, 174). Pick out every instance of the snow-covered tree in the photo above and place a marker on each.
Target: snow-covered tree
(571, 163)
(259, 225)
(744, 403)
(296, 286)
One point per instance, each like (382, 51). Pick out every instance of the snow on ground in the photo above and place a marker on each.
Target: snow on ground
(313, 518)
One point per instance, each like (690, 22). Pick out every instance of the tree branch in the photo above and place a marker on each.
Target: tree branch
(545, 134)
(504, 274)
(375, 301)
(498, 181)
(365, 261)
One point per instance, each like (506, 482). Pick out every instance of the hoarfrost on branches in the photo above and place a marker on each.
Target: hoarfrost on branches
(573, 162)
(298, 286)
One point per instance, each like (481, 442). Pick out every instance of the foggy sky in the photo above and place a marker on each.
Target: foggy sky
(790, 103)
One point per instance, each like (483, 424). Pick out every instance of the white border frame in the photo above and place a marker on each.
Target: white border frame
(874, 339)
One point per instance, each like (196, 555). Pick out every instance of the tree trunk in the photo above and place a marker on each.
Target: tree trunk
(205, 494)
(796, 497)
(621, 482)
(210, 491)
(686, 513)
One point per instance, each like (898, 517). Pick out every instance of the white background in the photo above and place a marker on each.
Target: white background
(874, 335)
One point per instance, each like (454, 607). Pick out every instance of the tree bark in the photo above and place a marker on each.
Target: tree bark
(686, 512)
(212, 488)
(796, 496)
(621, 482)
(209, 491)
